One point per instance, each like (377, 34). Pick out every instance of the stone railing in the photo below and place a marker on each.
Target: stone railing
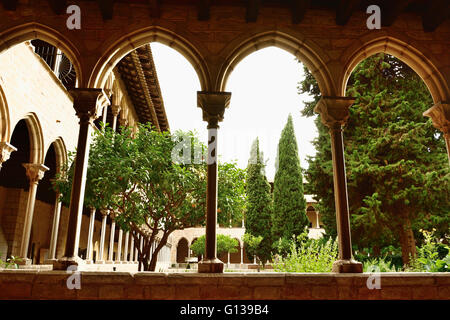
(34, 284)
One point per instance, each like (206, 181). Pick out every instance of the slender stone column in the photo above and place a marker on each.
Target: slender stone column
(136, 252)
(242, 255)
(35, 172)
(102, 237)
(317, 220)
(213, 105)
(334, 113)
(111, 239)
(55, 229)
(5, 152)
(115, 109)
(90, 235)
(440, 115)
(119, 246)
(88, 104)
(132, 248)
(125, 252)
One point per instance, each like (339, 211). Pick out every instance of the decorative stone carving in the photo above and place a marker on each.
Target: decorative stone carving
(35, 171)
(89, 103)
(334, 111)
(5, 151)
(440, 115)
(213, 105)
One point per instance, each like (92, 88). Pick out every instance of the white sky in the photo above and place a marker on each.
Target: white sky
(263, 90)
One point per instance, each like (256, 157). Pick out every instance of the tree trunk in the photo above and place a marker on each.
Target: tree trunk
(407, 240)
(154, 259)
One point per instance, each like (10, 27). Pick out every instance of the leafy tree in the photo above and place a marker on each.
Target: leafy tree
(289, 216)
(259, 206)
(252, 246)
(397, 167)
(224, 244)
(134, 176)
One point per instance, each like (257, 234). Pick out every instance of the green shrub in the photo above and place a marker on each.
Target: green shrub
(381, 264)
(10, 263)
(429, 255)
(307, 255)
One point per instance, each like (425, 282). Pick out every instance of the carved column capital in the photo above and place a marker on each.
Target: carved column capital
(123, 122)
(35, 171)
(104, 212)
(213, 105)
(440, 115)
(115, 109)
(89, 103)
(5, 151)
(334, 111)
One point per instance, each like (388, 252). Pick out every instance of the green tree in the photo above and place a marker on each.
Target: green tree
(397, 167)
(133, 175)
(259, 207)
(289, 216)
(224, 244)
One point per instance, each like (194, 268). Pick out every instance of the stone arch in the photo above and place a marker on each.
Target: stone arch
(61, 153)
(34, 30)
(127, 43)
(182, 250)
(5, 130)
(308, 53)
(423, 66)
(36, 138)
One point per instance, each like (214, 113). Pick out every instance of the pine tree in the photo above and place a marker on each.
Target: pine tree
(289, 216)
(259, 205)
(397, 167)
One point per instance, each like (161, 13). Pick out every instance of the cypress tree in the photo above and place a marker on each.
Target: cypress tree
(259, 206)
(289, 216)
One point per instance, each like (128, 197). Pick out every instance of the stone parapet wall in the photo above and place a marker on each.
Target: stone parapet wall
(35, 284)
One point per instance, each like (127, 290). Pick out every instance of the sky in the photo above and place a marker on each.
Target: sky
(264, 92)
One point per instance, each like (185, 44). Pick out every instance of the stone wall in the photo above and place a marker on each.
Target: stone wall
(235, 286)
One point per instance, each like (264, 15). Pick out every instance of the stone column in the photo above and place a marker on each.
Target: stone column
(102, 237)
(5, 152)
(55, 229)
(440, 115)
(242, 255)
(88, 104)
(132, 248)
(90, 235)
(213, 105)
(112, 230)
(119, 247)
(35, 172)
(334, 113)
(125, 252)
(317, 220)
(115, 109)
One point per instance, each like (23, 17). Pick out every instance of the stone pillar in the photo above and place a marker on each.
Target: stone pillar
(132, 248)
(440, 115)
(317, 220)
(112, 230)
(115, 109)
(88, 104)
(334, 113)
(119, 246)
(125, 252)
(242, 255)
(55, 229)
(213, 105)
(5, 152)
(90, 235)
(102, 237)
(35, 172)
(136, 252)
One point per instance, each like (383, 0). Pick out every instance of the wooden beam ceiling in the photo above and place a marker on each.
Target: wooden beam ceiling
(251, 14)
(155, 9)
(106, 8)
(10, 5)
(435, 14)
(58, 6)
(203, 10)
(391, 10)
(345, 9)
(299, 8)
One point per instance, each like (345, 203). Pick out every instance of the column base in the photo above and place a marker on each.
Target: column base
(66, 262)
(100, 262)
(109, 262)
(210, 266)
(24, 262)
(347, 266)
(50, 261)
